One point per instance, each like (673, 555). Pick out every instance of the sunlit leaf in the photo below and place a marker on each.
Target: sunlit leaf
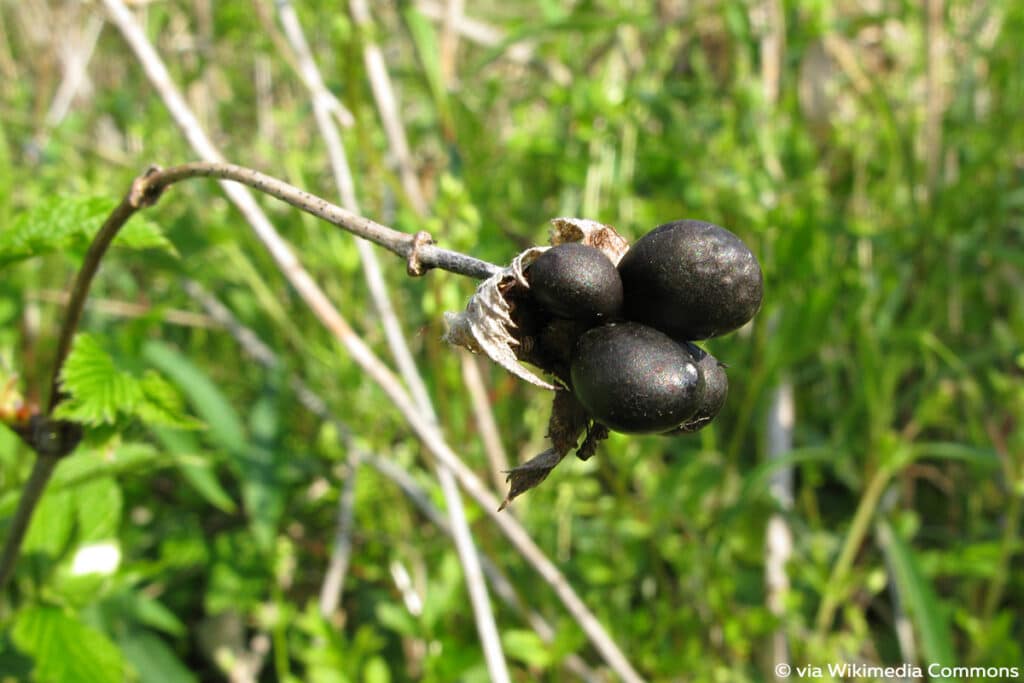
(65, 649)
(67, 224)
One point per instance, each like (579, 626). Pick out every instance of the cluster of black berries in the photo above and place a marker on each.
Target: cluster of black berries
(621, 337)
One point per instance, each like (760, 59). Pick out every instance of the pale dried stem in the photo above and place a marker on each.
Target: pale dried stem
(124, 309)
(465, 547)
(781, 412)
(387, 105)
(341, 544)
(935, 94)
(778, 536)
(482, 33)
(75, 60)
(453, 11)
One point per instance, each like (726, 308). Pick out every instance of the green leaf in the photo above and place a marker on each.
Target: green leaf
(199, 475)
(376, 671)
(67, 224)
(135, 606)
(101, 393)
(397, 619)
(64, 649)
(99, 389)
(526, 646)
(224, 424)
(51, 526)
(154, 660)
(256, 467)
(98, 510)
(163, 405)
(119, 460)
(917, 595)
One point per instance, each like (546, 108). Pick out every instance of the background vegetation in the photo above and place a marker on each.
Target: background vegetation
(869, 152)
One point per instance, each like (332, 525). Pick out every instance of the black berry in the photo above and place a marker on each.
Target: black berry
(711, 397)
(576, 281)
(634, 379)
(691, 280)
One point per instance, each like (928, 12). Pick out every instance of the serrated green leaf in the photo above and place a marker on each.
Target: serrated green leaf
(64, 649)
(99, 390)
(68, 224)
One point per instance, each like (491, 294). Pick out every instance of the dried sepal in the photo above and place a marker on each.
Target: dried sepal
(594, 234)
(486, 325)
(568, 420)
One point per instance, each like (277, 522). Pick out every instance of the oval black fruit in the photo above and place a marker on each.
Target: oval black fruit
(691, 280)
(634, 379)
(576, 281)
(711, 397)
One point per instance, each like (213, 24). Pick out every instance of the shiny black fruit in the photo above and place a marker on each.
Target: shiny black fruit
(634, 379)
(712, 395)
(576, 281)
(691, 280)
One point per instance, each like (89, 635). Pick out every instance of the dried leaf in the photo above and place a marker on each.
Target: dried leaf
(595, 435)
(530, 473)
(594, 234)
(568, 420)
(486, 325)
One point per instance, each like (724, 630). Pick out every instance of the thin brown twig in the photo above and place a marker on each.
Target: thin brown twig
(419, 250)
(42, 469)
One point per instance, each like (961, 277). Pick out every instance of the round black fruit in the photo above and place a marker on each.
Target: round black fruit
(576, 281)
(634, 379)
(691, 280)
(712, 395)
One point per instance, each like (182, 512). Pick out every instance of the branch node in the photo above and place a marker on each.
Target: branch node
(414, 266)
(142, 193)
(48, 437)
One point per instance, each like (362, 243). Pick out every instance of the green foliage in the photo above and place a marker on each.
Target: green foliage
(66, 225)
(64, 648)
(102, 393)
(881, 191)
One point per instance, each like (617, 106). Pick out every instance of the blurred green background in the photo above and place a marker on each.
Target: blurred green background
(871, 154)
